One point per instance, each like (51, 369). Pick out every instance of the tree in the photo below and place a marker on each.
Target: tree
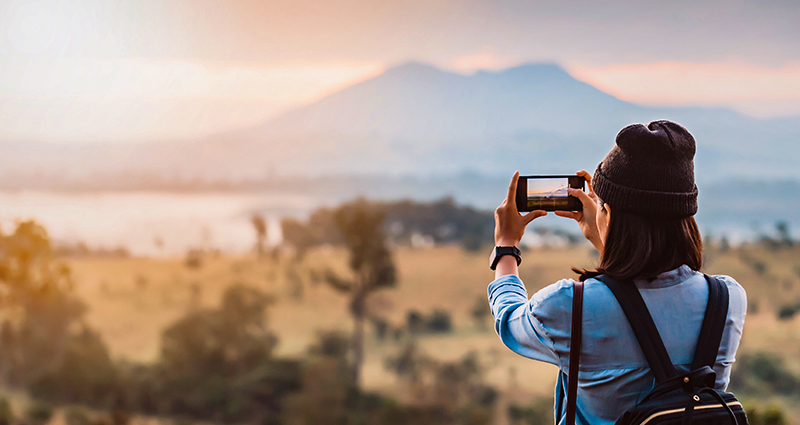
(261, 232)
(41, 315)
(360, 225)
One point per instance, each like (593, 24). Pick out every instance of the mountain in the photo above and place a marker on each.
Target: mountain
(416, 119)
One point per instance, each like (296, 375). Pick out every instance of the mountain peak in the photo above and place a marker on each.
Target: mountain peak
(413, 68)
(537, 70)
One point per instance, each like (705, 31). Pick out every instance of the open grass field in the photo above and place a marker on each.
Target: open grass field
(131, 300)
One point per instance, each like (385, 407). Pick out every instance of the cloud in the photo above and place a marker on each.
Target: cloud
(83, 99)
(756, 90)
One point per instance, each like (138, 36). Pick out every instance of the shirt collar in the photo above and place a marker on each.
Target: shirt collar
(672, 277)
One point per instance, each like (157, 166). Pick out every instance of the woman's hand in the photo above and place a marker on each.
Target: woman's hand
(586, 218)
(509, 224)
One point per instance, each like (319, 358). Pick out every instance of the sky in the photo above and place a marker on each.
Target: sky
(137, 70)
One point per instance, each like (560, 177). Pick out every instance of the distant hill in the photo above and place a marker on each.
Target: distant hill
(418, 120)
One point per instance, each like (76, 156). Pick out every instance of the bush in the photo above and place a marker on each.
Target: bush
(85, 374)
(6, 414)
(540, 412)
(758, 372)
(77, 416)
(787, 312)
(759, 267)
(439, 322)
(773, 415)
(415, 321)
(39, 413)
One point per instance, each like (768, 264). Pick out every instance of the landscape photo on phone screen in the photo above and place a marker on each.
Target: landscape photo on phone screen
(548, 188)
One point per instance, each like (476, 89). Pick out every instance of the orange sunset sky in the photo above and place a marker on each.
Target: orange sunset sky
(137, 70)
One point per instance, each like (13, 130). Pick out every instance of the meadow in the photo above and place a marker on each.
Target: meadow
(131, 300)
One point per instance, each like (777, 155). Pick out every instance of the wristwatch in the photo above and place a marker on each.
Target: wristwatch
(500, 251)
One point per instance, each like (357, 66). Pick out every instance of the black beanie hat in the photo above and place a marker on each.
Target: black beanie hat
(650, 171)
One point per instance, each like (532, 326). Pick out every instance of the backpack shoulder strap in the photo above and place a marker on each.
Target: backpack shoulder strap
(716, 315)
(644, 328)
(574, 351)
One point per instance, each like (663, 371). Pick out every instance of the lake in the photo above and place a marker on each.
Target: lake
(181, 221)
(136, 220)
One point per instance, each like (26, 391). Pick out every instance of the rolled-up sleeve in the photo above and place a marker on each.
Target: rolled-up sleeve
(515, 323)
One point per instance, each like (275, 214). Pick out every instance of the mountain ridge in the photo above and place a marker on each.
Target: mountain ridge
(417, 119)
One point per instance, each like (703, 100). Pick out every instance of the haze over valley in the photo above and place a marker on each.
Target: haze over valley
(415, 131)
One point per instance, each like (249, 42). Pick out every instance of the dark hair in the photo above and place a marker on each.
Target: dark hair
(639, 246)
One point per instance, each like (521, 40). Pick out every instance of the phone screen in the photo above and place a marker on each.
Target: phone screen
(548, 193)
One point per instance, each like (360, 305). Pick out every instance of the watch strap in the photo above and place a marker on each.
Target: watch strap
(500, 251)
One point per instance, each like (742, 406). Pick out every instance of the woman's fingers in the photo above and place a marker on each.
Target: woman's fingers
(575, 215)
(585, 174)
(511, 198)
(533, 215)
(583, 196)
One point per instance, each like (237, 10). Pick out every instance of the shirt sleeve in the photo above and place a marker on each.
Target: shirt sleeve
(516, 323)
(737, 310)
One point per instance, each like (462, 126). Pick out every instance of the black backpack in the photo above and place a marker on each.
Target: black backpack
(680, 398)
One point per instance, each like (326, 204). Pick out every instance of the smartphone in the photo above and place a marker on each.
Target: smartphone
(548, 193)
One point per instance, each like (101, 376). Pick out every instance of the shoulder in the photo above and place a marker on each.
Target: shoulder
(554, 293)
(738, 296)
(555, 300)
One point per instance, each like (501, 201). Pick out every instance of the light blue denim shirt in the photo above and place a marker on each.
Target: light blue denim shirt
(614, 375)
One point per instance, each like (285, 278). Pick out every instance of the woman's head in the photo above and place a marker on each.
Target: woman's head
(647, 197)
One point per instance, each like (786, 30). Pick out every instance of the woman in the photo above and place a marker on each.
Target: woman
(638, 212)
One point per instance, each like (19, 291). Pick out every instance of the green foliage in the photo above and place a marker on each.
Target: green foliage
(360, 226)
(77, 416)
(6, 414)
(761, 373)
(410, 364)
(84, 375)
(772, 415)
(438, 321)
(381, 327)
(457, 388)
(788, 311)
(480, 311)
(443, 221)
(38, 413)
(47, 348)
(217, 363)
(540, 412)
(781, 239)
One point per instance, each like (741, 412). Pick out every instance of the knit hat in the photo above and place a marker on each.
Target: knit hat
(650, 171)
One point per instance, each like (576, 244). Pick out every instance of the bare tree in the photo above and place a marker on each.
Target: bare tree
(361, 226)
(261, 232)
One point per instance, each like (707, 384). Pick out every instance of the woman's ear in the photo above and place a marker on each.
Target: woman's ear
(608, 209)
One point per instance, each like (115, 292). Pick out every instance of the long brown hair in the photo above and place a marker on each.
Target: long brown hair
(642, 247)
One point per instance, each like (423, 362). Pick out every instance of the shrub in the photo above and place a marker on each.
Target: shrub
(439, 322)
(540, 412)
(77, 416)
(773, 415)
(764, 371)
(6, 414)
(415, 321)
(788, 311)
(39, 413)
(85, 374)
